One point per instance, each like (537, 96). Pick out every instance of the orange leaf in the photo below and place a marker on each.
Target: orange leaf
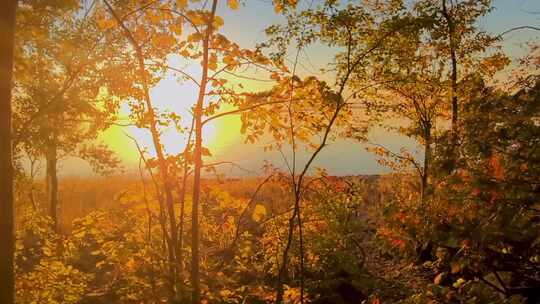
(181, 3)
(495, 163)
(233, 4)
(205, 151)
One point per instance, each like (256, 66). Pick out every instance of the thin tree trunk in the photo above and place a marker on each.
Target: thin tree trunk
(283, 268)
(195, 295)
(427, 163)
(301, 244)
(298, 197)
(195, 259)
(296, 212)
(285, 259)
(453, 76)
(162, 163)
(180, 253)
(7, 36)
(182, 197)
(51, 157)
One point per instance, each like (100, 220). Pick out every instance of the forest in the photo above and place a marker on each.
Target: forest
(121, 179)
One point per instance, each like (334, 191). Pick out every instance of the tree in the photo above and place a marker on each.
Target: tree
(408, 74)
(483, 215)
(198, 113)
(452, 45)
(165, 26)
(7, 238)
(453, 31)
(316, 108)
(141, 77)
(58, 109)
(217, 55)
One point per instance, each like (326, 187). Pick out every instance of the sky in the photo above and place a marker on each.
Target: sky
(343, 157)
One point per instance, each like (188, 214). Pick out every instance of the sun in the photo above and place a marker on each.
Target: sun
(219, 136)
(223, 134)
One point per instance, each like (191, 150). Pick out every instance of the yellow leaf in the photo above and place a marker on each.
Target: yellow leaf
(181, 3)
(176, 28)
(196, 19)
(233, 4)
(459, 283)
(47, 251)
(212, 62)
(218, 22)
(229, 60)
(195, 37)
(259, 212)
(185, 53)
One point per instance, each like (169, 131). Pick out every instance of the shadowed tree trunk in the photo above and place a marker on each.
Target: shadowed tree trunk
(51, 157)
(453, 77)
(7, 36)
(427, 164)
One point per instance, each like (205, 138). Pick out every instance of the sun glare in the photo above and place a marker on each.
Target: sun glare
(172, 95)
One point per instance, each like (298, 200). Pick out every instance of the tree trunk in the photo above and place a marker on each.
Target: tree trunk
(197, 153)
(162, 162)
(298, 187)
(180, 253)
(285, 259)
(7, 36)
(195, 295)
(453, 76)
(51, 157)
(427, 163)
(182, 197)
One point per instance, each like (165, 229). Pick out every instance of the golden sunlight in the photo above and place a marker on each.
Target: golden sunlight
(173, 96)
(385, 151)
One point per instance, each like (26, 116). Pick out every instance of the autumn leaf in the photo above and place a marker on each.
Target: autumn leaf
(47, 251)
(196, 19)
(212, 62)
(229, 60)
(105, 24)
(185, 53)
(277, 7)
(259, 212)
(176, 27)
(195, 37)
(495, 164)
(218, 22)
(181, 3)
(440, 278)
(233, 4)
(205, 151)
(163, 40)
